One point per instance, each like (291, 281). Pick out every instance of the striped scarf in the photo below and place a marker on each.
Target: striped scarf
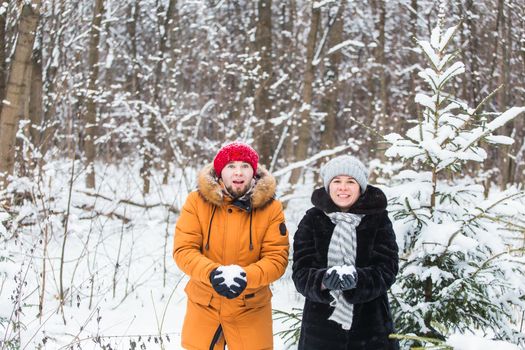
(342, 251)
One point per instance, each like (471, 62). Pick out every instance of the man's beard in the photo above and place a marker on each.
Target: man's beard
(238, 193)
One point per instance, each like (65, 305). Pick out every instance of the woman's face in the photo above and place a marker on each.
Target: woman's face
(344, 191)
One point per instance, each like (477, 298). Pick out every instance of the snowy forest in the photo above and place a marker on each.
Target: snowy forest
(110, 108)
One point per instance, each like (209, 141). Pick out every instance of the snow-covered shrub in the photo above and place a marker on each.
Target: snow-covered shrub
(9, 291)
(461, 268)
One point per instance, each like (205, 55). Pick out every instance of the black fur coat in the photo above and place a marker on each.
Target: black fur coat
(376, 264)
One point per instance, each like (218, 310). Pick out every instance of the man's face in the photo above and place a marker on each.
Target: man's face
(237, 178)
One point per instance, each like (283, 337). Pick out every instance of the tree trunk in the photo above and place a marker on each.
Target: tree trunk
(152, 136)
(381, 60)
(506, 163)
(462, 53)
(262, 103)
(303, 125)
(31, 110)
(469, 88)
(287, 57)
(472, 52)
(329, 104)
(3, 43)
(23, 156)
(91, 107)
(35, 100)
(413, 110)
(56, 44)
(369, 98)
(238, 31)
(519, 171)
(380, 118)
(9, 117)
(173, 30)
(133, 74)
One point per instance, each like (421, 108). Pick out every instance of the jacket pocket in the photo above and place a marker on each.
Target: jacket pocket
(198, 293)
(259, 298)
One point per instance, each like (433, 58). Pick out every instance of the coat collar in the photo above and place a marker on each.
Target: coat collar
(373, 201)
(210, 189)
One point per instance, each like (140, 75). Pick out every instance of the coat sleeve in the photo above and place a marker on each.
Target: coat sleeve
(376, 278)
(274, 251)
(188, 243)
(307, 271)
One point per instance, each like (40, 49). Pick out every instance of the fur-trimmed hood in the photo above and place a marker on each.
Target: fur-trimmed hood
(210, 189)
(371, 202)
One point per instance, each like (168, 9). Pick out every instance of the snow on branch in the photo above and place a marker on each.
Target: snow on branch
(343, 44)
(303, 163)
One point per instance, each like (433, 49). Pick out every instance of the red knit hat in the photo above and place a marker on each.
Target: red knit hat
(235, 151)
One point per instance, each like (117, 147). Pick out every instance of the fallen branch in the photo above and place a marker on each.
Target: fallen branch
(170, 207)
(111, 214)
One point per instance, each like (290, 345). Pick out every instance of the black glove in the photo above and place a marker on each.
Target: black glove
(230, 292)
(334, 281)
(348, 281)
(331, 280)
(238, 289)
(218, 284)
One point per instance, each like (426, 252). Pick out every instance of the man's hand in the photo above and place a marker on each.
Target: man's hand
(217, 282)
(240, 283)
(228, 281)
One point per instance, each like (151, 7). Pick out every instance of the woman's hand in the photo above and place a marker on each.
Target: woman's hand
(340, 278)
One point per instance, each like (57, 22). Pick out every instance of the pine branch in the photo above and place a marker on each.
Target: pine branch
(292, 333)
(485, 132)
(494, 257)
(489, 96)
(519, 228)
(437, 343)
(478, 216)
(368, 128)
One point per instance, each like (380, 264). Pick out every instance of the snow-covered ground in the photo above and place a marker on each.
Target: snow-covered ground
(122, 289)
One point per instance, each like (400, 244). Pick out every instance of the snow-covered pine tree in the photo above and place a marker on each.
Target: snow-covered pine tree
(460, 268)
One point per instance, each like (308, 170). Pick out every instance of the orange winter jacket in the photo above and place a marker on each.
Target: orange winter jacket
(212, 231)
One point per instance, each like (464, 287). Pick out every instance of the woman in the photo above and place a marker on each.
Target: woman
(345, 260)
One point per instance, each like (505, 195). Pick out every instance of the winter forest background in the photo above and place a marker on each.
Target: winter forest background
(109, 108)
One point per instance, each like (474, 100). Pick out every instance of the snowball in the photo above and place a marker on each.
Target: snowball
(229, 272)
(343, 270)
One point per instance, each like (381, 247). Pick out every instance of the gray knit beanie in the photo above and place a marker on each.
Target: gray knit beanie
(345, 165)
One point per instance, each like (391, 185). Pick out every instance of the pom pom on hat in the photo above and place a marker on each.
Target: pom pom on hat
(345, 165)
(235, 151)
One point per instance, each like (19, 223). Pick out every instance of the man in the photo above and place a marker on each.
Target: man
(232, 241)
